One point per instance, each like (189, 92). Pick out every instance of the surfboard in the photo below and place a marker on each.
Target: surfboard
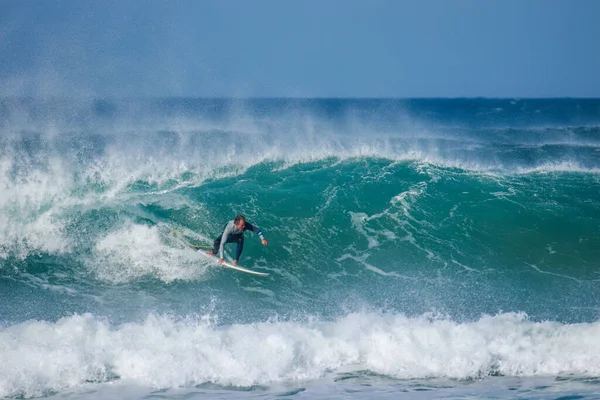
(202, 250)
(230, 265)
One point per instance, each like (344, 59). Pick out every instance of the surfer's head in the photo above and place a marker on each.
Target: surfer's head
(240, 222)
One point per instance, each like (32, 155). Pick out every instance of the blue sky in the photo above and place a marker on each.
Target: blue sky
(279, 48)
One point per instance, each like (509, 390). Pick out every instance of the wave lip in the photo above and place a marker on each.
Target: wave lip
(40, 357)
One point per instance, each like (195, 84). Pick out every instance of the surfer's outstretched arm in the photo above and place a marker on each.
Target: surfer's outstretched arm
(258, 231)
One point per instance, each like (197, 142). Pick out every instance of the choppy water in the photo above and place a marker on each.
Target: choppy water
(418, 248)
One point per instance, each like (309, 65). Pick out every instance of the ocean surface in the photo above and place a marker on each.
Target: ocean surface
(418, 249)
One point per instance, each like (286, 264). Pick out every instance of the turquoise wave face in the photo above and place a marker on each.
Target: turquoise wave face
(407, 237)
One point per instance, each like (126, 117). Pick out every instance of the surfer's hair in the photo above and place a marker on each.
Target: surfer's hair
(238, 219)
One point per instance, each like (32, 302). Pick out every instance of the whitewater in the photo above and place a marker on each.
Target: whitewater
(417, 248)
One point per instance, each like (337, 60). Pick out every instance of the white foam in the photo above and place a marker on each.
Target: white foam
(37, 357)
(136, 251)
(358, 222)
(29, 219)
(562, 166)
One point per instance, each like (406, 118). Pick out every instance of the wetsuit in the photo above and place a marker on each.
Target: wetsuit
(232, 234)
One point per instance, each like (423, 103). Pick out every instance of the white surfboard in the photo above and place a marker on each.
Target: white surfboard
(230, 265)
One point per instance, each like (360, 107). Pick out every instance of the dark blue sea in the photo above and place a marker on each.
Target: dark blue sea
(418, 249)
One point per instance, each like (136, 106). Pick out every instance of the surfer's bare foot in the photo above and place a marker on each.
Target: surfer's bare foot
(210, 253)
(234, 262)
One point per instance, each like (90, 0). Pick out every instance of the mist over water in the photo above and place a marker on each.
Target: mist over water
(416, 239)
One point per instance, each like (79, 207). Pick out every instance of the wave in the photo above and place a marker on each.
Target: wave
(391, 212)
(119, 223)
(408, 218)
(163, 351)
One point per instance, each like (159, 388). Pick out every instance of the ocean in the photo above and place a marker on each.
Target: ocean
(418, 248)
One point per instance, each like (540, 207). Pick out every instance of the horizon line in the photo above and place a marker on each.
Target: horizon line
(189, 97)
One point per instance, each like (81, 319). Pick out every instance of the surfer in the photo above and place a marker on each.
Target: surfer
(234, 233)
